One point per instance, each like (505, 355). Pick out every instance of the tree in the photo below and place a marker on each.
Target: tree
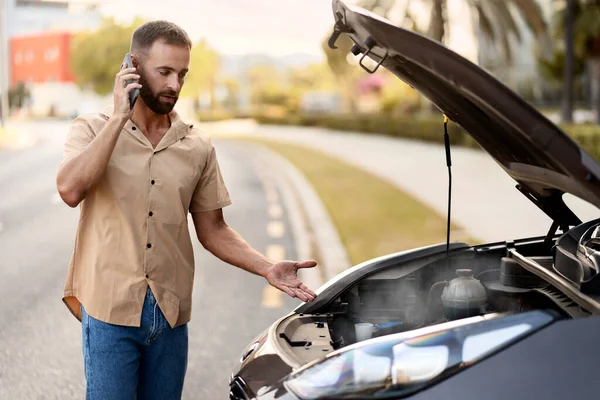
(337, 59)
(203, 75)
(18, 95)
(97, 56)
(345, 74)
(554, 67)
(311, 77)
(586, 37)
(569, 62)
(232, 101)
(495, 20)
(266, 85)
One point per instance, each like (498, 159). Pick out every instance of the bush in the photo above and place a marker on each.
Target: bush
(213, 116)
(587, 135)
(428, 129)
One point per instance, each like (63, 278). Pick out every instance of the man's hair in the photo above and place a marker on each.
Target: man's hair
(148, 33)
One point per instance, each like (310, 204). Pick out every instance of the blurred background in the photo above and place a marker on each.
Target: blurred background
(268, 60)
(275, 99)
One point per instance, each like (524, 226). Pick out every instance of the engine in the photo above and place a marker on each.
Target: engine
(395, 301)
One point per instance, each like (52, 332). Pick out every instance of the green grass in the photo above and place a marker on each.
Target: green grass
(373, 217)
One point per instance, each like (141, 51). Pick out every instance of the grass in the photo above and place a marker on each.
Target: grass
(372, 217)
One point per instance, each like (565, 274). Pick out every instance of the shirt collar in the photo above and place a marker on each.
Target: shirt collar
(179, 127)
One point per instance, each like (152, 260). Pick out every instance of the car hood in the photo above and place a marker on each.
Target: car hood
(545, 162)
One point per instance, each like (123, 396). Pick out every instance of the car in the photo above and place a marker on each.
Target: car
(517, 319)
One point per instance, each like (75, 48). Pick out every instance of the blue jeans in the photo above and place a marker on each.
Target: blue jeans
(129, 363)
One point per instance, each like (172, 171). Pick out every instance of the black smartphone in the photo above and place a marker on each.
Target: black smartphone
(133, 95)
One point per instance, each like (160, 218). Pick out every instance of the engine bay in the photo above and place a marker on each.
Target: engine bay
(506, 277)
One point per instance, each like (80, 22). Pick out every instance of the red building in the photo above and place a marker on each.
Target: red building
(41, 58)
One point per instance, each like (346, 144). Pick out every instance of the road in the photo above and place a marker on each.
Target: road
(485, 202)
(40, 342)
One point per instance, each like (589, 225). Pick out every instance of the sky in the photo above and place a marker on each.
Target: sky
(274, 27)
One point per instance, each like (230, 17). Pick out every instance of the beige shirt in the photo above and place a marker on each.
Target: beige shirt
(133, 226)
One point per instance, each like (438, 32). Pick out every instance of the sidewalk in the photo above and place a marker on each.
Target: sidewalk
(485, 201)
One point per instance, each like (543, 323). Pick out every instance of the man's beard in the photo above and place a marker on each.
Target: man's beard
(153, 100)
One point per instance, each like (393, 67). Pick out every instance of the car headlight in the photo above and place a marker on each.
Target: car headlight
(401, 366)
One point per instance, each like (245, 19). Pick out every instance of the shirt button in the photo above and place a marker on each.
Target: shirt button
(147, 276)
(152, 181)
(149, 245)
(150, 213)
(133, 128)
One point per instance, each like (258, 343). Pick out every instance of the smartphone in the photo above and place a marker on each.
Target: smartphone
(133, 95)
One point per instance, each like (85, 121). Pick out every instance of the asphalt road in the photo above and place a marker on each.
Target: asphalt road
(40, 342)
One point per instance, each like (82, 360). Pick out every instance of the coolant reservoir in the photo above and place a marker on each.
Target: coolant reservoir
(463, 296)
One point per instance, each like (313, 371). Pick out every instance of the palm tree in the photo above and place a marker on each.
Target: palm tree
(585, 40)
(569, 62)
(495, 18)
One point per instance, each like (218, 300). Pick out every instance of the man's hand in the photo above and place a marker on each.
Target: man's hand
(225, 243)
(284, 276)
(121, 92)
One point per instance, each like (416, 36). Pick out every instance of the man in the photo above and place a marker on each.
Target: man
(137, 173)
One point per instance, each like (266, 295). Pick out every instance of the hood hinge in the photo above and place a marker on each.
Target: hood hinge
(339, 28)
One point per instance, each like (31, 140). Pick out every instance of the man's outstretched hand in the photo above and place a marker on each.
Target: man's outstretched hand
(284, 276)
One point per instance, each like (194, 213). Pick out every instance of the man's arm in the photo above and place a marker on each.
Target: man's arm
(81, 173)
(225, 243)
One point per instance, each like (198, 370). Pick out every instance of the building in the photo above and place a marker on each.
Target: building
(28, 17)
(40, 34)
(41, 58)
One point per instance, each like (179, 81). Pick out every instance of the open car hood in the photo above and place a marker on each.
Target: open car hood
(545, 162)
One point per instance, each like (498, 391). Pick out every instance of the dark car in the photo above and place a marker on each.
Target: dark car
(509, 320)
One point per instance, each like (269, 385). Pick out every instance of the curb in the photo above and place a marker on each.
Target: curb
(312, 226)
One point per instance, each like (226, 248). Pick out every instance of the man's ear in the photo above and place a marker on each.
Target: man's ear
(135, 60)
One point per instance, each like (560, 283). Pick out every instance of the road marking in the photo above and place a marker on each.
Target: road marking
(275, 252)
(272, 297)
(275, 210)
(271, 194)
(56, 199)
(268, 184)
(275, 229)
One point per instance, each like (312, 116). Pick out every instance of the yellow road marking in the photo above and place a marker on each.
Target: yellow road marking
(275, 252)
(275, 210)
(275, 229)
(272, 297)
(272, 196)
